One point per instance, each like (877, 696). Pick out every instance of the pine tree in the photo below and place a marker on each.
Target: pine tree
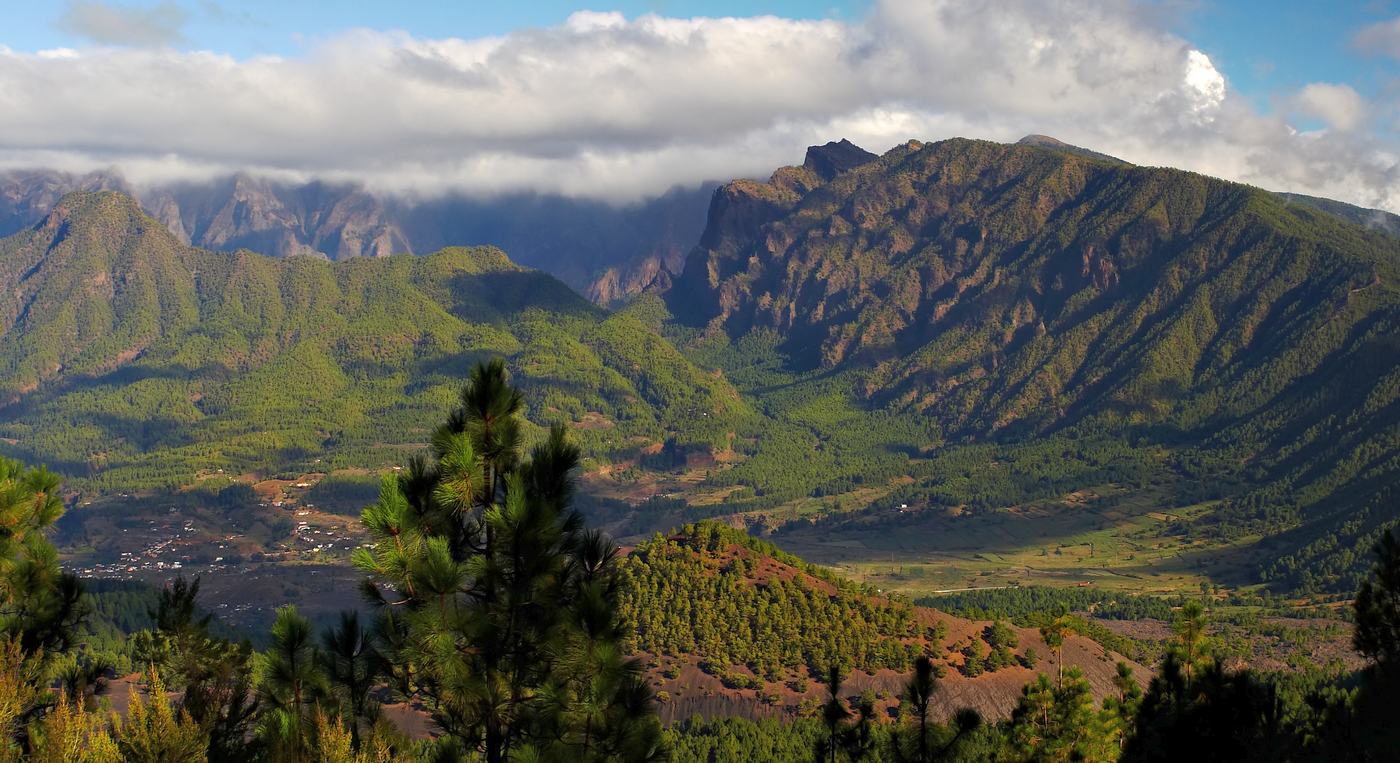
(497, 605)
(155, 733)
(1190, 649)
(21, 689)
(175, 612)
(351, 665)
(290, 684)
(1194, 709)
(39, 603)
(334, 744)
(1124, 706)
(1053, 633)
(966, 722)
(71, 733)
(1377, 634)
(220, 695)
(213, 673)
(1060, 723)
(859, 740)
(834, 716)
(40, 607)
(918, 694)
(1377, 637)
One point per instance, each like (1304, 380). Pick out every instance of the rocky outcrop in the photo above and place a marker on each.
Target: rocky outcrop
(836, 157)
(1017, 287)
(617, 284)
(243, 212)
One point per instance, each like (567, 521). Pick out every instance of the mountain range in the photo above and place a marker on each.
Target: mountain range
(957, 325)
(605, 251)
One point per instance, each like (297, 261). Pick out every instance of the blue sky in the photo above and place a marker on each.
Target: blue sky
(490, 97)
(1266, 48)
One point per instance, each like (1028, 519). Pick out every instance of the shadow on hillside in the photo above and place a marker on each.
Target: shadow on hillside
(451, 368)
(117, 378)
(1115, 543)
(30, 457)
(494, 297)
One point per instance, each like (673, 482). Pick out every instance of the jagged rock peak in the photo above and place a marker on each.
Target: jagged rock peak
(836, 157)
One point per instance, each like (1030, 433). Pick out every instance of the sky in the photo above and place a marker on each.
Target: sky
(622, 100)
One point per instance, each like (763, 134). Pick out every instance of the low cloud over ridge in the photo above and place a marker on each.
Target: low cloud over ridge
(607, 107)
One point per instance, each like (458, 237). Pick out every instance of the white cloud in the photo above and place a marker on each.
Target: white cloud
(614, 108)
(114, 24)
(1341, 107)
(1204, 83)
(1382, 38)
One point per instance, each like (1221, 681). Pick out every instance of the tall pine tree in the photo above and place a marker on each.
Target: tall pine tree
(497, 604)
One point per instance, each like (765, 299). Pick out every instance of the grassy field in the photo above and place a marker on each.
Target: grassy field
(1107, 537)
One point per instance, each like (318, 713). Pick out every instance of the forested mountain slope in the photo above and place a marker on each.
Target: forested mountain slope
(130, 360)
(1002, 292)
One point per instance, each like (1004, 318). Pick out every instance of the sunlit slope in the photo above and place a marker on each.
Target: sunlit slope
(128, 360)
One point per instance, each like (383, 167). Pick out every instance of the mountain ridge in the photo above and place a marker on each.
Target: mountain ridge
(1004, 292)
(604, 251)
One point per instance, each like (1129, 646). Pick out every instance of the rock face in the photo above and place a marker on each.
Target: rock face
(337, 222)
(616, 284)
(608, 252)
(835, 158)
(1022, 287)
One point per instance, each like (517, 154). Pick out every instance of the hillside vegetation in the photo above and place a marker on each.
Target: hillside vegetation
(716, 592)
(603, 250)
(734, 626)
(131, 361)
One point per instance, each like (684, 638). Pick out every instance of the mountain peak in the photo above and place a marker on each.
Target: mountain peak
(1055, 144)
(836, 157)
(92, 206)
(1044, 141)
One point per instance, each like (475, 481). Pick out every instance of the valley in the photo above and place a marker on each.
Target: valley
(760, 398)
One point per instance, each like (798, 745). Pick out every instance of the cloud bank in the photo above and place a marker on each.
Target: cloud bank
(606, 107)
